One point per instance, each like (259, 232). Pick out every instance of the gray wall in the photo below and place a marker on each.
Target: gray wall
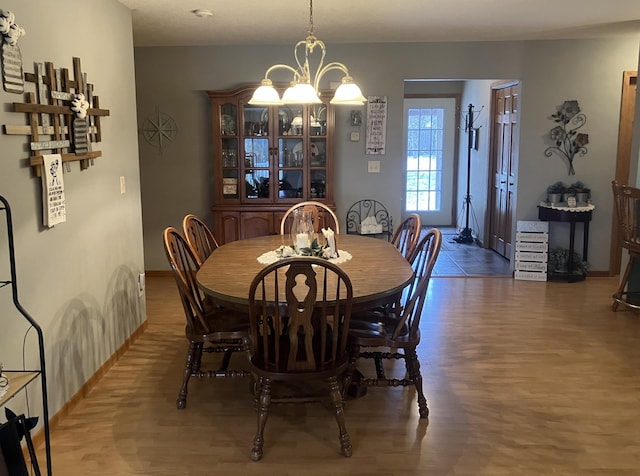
(79, 278)
(179, 180)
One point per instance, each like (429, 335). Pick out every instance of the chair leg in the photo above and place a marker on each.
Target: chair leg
(197, 360)
(354, 353)
(226, 358)
(413, 369)
(263, 411)
(379, 367)
(192, 361)
(336, 399)
(257, 392)
(618, 296)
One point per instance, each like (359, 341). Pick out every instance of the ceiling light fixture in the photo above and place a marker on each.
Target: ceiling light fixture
(303, 88)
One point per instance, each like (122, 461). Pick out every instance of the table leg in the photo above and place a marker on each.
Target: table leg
(585, 246)
(572, 237)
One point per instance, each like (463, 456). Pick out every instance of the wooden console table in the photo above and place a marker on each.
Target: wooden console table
(571, 216)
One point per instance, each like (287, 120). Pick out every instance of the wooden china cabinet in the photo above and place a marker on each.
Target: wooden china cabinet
(267, 158)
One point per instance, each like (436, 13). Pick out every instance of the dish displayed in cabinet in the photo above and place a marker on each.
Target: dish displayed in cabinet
(228, 125)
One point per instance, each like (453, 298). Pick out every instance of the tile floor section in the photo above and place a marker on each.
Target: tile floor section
(469, 259)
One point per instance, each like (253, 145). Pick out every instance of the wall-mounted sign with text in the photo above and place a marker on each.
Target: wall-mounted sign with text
(376, 125)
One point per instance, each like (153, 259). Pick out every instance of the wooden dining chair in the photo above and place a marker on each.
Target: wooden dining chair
(626, 201)
(199, 237)
(406, 236)
(319, 210)
(211, 330)
(299, 311)
(397, 333)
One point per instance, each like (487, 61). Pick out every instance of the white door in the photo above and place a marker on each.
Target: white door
(429, 125)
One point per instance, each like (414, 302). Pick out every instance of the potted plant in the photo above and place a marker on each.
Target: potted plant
(554, 192)
(558, 264)
(581, 192)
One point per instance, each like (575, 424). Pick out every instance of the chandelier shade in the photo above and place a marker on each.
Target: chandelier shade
(304, 89)
(265, 94)
(300, 93)
(348, 93)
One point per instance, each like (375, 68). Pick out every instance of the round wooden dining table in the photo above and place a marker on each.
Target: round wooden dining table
(377, 270)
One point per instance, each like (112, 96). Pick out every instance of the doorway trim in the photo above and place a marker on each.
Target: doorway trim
(623, 158)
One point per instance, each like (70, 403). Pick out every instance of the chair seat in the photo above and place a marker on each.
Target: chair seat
(374, 328)
(228, 324)
(280, 374)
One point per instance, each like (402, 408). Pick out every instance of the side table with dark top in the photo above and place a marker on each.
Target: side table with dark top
(580, 215)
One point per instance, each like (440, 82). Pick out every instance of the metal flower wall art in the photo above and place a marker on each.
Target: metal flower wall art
(568, 141)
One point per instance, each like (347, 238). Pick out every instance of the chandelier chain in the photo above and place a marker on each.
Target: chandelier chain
(310, 31)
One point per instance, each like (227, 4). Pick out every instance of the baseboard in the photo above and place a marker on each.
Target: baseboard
(38, 438)
(599, 274)
(158, 274)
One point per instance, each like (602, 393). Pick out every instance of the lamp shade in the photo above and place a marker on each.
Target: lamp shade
(348, 93)
(265, 94)
(301, 93)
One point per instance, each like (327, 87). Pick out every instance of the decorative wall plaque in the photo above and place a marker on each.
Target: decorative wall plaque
(11, 56)
(376, 125)
(51, 115)
(159, 130)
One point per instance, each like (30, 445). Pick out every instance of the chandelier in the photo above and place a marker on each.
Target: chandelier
(303, 88)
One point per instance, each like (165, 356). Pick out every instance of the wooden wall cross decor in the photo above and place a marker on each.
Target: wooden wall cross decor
(63, 116)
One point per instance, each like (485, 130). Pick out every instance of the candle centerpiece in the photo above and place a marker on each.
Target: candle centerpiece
(302, 229)
(302, 241)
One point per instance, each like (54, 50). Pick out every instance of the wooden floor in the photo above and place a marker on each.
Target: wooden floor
(523, 378)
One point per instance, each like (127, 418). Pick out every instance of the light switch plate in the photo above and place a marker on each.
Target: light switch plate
(355, 136)
(373, 167)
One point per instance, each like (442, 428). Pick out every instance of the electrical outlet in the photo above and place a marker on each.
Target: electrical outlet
(373, 167)
(141, 284)
(123, 188)
(355, 136)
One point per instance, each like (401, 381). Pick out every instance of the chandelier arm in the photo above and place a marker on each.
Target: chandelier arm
(301, 66)
(296, 73)
(328, 67)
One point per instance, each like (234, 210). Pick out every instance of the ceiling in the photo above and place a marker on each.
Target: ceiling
(172, 23)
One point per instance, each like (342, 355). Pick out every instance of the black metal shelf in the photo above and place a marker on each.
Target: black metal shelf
(22, 383)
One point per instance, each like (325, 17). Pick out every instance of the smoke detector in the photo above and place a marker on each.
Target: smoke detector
(202, 13)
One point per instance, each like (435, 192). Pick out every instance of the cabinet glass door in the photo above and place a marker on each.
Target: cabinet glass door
(290, 163)
(295, 114)
(291, 153)
(318, 120)
(229, 150)
(256, 168)
(317, 151)
(256, 150)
